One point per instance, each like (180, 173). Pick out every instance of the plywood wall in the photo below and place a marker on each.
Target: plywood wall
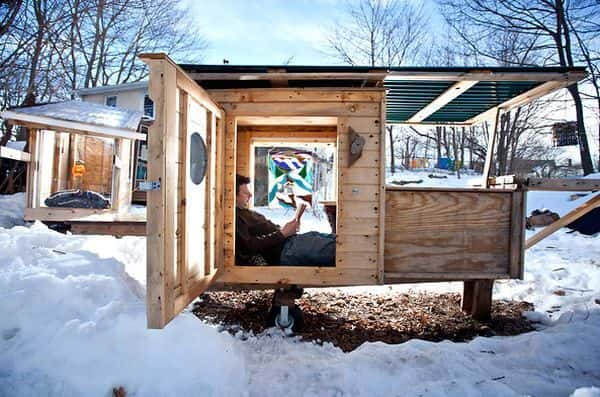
(359, 185)
(437, 234)
(97, 153)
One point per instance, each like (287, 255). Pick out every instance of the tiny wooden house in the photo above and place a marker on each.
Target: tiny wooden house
(208, 118)
(76, 145)
(207, 121)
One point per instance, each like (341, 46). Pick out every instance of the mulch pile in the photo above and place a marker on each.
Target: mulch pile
(349, 320)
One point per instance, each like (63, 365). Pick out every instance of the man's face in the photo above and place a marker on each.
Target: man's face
(243, 197)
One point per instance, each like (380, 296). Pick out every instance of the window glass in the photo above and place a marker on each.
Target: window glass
(148, 107)
(111, 101)
(197, 158)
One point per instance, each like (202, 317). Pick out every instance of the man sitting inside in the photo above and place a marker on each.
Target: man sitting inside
(259, 241)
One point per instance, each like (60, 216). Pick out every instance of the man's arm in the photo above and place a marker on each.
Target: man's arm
(257, 243)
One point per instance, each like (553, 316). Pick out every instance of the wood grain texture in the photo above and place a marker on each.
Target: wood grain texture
(302, 109)
(296, 95)
(447, 232)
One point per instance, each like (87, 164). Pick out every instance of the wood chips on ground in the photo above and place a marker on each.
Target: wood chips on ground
(349, 320)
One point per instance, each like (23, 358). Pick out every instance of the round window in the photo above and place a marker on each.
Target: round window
(197, 158)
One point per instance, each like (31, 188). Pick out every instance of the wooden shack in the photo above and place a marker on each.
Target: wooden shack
(384, 235)
(100, 138)
(208, 119)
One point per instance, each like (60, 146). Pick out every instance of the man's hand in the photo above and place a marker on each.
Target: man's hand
(290, 228)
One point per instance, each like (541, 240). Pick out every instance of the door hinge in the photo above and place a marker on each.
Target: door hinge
(146, 186)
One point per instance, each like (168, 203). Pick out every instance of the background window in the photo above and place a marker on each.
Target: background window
(111, 101)
(148, 107)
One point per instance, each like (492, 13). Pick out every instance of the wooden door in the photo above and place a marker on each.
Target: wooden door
(184, 149)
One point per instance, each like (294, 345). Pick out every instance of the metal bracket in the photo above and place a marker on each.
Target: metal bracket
(146, 186)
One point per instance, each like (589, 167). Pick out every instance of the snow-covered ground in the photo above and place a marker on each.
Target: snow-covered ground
(72, 323)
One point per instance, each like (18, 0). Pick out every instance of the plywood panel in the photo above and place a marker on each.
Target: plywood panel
(445, 232)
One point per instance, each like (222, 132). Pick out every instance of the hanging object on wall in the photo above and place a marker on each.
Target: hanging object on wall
(357, 143)
(565, 134)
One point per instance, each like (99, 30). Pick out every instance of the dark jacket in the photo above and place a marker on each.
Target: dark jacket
(256, 235)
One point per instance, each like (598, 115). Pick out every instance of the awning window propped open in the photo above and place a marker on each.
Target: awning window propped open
(78, 117)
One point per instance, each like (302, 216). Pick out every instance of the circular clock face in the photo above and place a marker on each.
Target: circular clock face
(197, 158)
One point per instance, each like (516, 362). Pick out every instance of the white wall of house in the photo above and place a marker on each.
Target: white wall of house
(131, 99)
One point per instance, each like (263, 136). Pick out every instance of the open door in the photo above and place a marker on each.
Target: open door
(183, 203)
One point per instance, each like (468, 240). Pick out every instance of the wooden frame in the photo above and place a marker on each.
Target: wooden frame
(41, 122)
(179, 269)
(13, 154)
(359, 108)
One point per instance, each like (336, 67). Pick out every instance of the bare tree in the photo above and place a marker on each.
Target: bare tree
(379, 33)
(50, 48)
(551, 28)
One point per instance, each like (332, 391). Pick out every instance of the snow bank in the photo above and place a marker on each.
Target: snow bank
(73, 323)
(72, 312)
(11, 210)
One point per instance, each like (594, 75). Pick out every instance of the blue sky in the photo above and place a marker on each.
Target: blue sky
(260, 32)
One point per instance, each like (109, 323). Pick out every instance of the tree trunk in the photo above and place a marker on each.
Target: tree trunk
(584, 148)
(392, 155)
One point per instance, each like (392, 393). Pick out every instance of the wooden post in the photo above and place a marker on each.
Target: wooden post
(489, 157)
(477, 298)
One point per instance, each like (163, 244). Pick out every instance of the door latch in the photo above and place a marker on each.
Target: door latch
(146, 186)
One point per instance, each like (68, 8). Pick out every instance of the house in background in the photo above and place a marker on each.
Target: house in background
(130, 96)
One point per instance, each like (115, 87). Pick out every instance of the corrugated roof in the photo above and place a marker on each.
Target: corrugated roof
(409, 89)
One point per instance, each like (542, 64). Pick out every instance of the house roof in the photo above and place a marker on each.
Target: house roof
(111, 89)
(81, 117)
(414, 95)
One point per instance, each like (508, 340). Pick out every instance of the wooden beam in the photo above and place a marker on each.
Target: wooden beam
(283, 120)
(489, 157)
(430, 124)
(334, 109)
(80, 214)
(446, 97)
(522, 99)
(289, 76)
(394, 277)
(117, 229)
(121, 181)
(562, 184)
(486, 76)
(477, 298)
(382, 198)
(517, 234)
(32, 168)
(320, 94)
(565, 220)
(162, 153)
(42, 122)
(14, 154)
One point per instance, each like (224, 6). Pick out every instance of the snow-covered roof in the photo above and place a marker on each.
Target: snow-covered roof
(109, 89)
(79, 116)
